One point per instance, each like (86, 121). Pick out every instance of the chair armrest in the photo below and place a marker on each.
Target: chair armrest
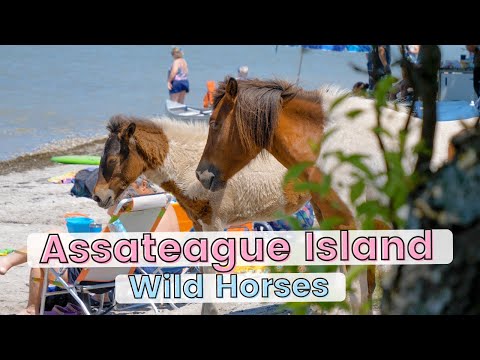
(144, 202)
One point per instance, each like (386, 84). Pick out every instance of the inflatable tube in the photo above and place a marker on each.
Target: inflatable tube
(77, 159)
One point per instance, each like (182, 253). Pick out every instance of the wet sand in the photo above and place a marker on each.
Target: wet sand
(41, 159)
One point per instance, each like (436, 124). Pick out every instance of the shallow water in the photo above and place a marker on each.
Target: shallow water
(52, 93)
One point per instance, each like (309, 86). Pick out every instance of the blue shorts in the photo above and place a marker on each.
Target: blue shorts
(179, 86)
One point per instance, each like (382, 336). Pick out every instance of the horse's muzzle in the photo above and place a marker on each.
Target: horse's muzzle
(104, 199)
(209, 177)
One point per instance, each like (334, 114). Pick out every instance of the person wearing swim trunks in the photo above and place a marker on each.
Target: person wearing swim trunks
(177, 83)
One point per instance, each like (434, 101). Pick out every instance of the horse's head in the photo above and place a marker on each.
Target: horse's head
(120, 165)
(225, 154)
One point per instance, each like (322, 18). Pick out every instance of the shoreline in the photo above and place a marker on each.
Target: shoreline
(41, 159)
(31, 204)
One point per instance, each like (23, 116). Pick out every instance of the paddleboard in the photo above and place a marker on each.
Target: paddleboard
(77, 159)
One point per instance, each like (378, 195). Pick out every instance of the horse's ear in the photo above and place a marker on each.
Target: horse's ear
(232, 88)
(130, 131)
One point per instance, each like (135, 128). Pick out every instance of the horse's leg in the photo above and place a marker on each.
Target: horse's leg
(331, 205)
(289, 153)
(207, 308)
(365, 286)
(371, 269)
(317, 211)
(358, 294)
(210, 308)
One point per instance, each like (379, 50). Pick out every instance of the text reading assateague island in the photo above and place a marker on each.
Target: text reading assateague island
(227, 252)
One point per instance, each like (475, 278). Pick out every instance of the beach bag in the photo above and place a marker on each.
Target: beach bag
(84, 182)
(60, 300)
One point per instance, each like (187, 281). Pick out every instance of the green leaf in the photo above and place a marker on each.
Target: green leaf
(320, 188)
(382, 88)
(371, 208)
(338, 101)
(328, 133)
(402, 139)
(306, 187)
(296, 170)
(294, 223)
(353, 273)
(354, 113)
(368, 224)
(314, 145)
(317, 146)
(357, 161)
(381, 131)
(331, 222)
(326, 185)
(356, 190)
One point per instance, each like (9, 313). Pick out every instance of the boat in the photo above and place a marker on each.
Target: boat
(185, 112)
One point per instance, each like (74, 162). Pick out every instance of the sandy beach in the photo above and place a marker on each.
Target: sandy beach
(29, 203)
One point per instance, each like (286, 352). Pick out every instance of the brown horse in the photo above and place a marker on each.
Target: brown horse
(252, 115)
(167, 152)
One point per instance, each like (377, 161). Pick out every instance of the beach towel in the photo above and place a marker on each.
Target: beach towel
(66, 178)
(5, 252)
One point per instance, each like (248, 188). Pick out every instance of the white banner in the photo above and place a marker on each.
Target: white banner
(226, 288)
(226, 250)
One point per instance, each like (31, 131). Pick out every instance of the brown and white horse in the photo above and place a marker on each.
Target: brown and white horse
(167, 152)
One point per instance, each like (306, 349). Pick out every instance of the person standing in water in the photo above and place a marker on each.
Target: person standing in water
(177, 83)
(475, 51)
(242, 73)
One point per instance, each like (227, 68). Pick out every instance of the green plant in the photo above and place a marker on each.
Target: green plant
(395, 190)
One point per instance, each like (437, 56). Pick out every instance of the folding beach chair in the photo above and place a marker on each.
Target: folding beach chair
(139, 214)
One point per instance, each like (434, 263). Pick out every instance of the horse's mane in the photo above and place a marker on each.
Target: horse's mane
(185, 132)
(150, 132)
(118, 123)
(175, 128)
(258, 107)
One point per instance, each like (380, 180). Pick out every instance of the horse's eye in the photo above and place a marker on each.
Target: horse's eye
(213, 125)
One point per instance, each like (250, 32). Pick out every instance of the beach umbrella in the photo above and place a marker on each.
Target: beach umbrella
(338, 48)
